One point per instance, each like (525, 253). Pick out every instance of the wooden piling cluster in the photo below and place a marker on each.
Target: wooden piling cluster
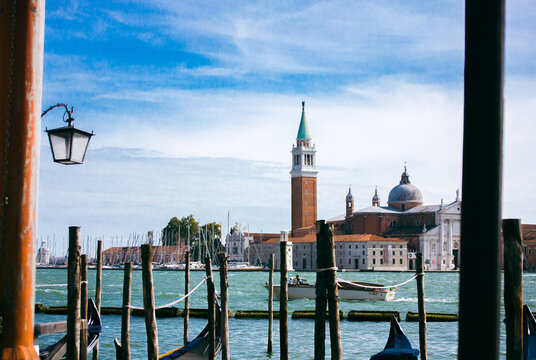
(326, 293)
(77, 300)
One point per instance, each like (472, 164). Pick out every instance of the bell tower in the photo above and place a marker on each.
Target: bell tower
(303, 177)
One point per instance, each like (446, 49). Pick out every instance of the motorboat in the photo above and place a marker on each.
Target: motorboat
(299, 288)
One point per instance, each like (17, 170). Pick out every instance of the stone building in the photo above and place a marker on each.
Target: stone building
(237, 246)
(433, 230)
(43, 254)
(529, 247)
(118, 255)
(356, 252)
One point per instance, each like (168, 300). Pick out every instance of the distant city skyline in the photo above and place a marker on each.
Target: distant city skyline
(195, 107)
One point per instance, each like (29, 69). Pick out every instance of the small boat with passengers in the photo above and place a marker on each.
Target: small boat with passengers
(299, 288)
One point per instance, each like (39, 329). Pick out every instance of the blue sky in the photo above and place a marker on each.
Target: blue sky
(195, 106)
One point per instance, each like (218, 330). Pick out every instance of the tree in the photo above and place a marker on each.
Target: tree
(178, 228)
(211, 237)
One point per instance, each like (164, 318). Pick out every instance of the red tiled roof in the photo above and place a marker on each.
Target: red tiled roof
(310, 238)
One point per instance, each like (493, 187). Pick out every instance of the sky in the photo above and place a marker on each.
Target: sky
(195, 106)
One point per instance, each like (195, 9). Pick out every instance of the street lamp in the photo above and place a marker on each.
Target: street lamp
(68, 144)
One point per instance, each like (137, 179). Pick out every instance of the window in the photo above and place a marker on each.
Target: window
(373, 252)
(400, 252)
(349, 261)
(363, 260)
(394, 262)
(381, 252)
(363, 252)
(356, 246)
(305, 181)
(305, 202)
(381, 261)
(340, 261)
(393, 253)
(374, 261)
(401, 261)
(349, 246)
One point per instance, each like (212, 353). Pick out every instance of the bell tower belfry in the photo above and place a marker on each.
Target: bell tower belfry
(303, 177)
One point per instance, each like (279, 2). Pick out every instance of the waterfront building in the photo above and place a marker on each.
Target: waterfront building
(43, 254)
(529, 247)
(355, 252)
(373, 237)
(237, 246)
(433, 230)
(118, 255)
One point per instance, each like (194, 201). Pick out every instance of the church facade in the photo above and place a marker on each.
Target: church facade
(433, 230)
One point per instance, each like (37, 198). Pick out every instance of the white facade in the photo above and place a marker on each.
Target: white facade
(43, 254)
(440, 245)
(237, 245)
(378, 254)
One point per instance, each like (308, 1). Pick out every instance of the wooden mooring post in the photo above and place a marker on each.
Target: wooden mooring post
(513, 288)
(73, 295)
(98, 291)
(187, 300)
(125, 312)
(479, 325)
(283, 297)
(148, 301)
(83, 307)
(270, 303)
(326, 294)
(419, 266)
(211, 298)
(224, 295)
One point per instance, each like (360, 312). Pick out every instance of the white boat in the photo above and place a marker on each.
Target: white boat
(348, 290)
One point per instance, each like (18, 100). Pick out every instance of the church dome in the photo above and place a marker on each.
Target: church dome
(405, 194)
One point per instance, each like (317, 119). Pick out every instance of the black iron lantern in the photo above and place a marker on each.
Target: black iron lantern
(68, 144)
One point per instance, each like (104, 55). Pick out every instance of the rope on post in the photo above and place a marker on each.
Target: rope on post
(176, 301)
(379, 287)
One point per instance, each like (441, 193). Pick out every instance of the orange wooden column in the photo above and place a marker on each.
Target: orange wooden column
(21, 68)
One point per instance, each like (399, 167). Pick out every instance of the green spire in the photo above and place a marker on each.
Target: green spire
(303, 131)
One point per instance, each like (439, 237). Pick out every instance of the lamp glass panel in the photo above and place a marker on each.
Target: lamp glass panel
(61, 145)
(80, 143)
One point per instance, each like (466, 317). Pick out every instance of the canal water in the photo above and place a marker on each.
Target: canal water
(248, 338)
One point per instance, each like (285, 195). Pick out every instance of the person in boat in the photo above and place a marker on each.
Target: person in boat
(296, 280)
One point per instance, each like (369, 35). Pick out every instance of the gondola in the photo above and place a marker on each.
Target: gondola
(58, 350)
(197, 349)
(398, 346)
(529, 334)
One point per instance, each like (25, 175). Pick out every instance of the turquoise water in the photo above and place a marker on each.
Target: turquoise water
(248, 338)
